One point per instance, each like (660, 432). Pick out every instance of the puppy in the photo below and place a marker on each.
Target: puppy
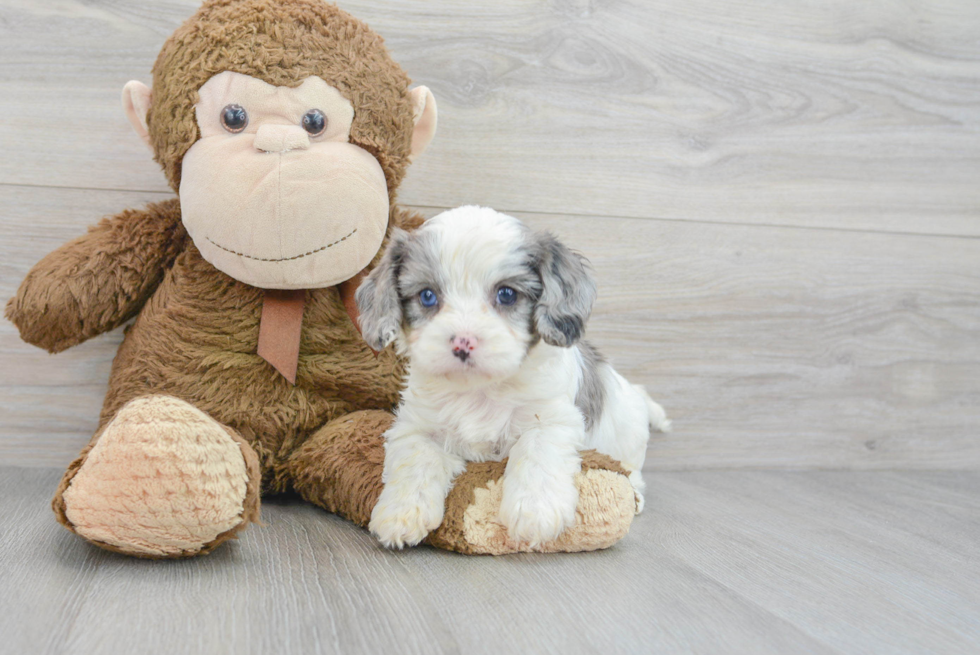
(491, 316)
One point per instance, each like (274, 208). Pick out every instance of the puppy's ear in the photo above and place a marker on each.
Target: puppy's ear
(568, 291)
(377, 298)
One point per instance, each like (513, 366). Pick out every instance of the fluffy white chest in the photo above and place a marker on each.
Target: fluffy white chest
(483, 424)
(476, 426)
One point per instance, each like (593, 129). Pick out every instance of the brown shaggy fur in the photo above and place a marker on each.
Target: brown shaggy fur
(98, 281)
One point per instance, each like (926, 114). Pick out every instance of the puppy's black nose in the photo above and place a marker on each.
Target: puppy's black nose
(463, 345)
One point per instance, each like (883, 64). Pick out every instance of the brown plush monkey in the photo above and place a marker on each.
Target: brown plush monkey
(285, 128)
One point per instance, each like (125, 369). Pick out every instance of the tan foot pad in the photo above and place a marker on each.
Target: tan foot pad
(605, 511)
(164, 480)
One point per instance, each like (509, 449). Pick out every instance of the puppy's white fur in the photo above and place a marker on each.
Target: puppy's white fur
(514, 395)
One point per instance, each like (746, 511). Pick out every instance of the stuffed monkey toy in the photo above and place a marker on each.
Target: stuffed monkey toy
(285, 128)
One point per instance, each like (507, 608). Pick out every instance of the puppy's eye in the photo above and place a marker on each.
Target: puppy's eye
(428, 298)
(506, 296)
(234, 118)
(314, 122)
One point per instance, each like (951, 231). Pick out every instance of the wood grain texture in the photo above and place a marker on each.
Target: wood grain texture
(769, 347)
(636, 131)
(733, 562)
(836, 114)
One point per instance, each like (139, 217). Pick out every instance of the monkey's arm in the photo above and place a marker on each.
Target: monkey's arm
(98, 281)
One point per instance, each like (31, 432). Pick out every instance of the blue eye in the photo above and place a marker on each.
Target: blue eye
(506, 296)
(428, 298)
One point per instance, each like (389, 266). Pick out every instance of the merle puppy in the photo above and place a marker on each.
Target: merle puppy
(491, 316)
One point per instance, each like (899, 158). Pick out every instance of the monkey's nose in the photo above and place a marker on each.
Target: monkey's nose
(281, 138)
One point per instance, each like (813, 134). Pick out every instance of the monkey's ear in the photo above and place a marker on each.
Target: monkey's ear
(136, 99)
(424, 105)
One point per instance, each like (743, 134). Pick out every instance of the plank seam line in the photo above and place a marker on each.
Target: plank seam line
(698, 221)
(703, 221)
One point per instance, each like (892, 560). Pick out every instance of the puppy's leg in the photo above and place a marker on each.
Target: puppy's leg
(623, 429)
(418, 474)
(539, 492)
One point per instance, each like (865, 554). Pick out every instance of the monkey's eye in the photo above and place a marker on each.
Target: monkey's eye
(506, 296)
(428, 298)
(314, 122)
(234, 118)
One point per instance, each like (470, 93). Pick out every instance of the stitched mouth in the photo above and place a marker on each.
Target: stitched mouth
(283, 259)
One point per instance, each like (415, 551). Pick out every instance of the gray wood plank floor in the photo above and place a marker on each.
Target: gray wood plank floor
(721, 562)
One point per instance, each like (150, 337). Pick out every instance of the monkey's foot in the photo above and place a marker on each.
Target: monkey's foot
(163, 480)
(606, 506)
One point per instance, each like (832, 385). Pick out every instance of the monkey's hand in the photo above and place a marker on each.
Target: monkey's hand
(98, 281)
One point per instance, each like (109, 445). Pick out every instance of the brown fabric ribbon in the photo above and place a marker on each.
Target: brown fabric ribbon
(281, 324)
(280, 328)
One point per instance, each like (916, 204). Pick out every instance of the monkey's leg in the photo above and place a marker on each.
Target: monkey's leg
(163, 479)
(339, 468)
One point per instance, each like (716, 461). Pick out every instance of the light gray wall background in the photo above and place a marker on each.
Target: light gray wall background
(781, 201)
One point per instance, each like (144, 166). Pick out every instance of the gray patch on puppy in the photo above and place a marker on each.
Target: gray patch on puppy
(524, 280)
(568, 292)
(420, 270)
(591, 396)
(377, 297)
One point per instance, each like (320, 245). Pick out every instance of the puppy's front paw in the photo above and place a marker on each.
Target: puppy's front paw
(538, 515)
(404, 519)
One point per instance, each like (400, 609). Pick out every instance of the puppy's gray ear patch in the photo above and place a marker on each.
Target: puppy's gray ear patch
(377, 298)
(568, 292)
